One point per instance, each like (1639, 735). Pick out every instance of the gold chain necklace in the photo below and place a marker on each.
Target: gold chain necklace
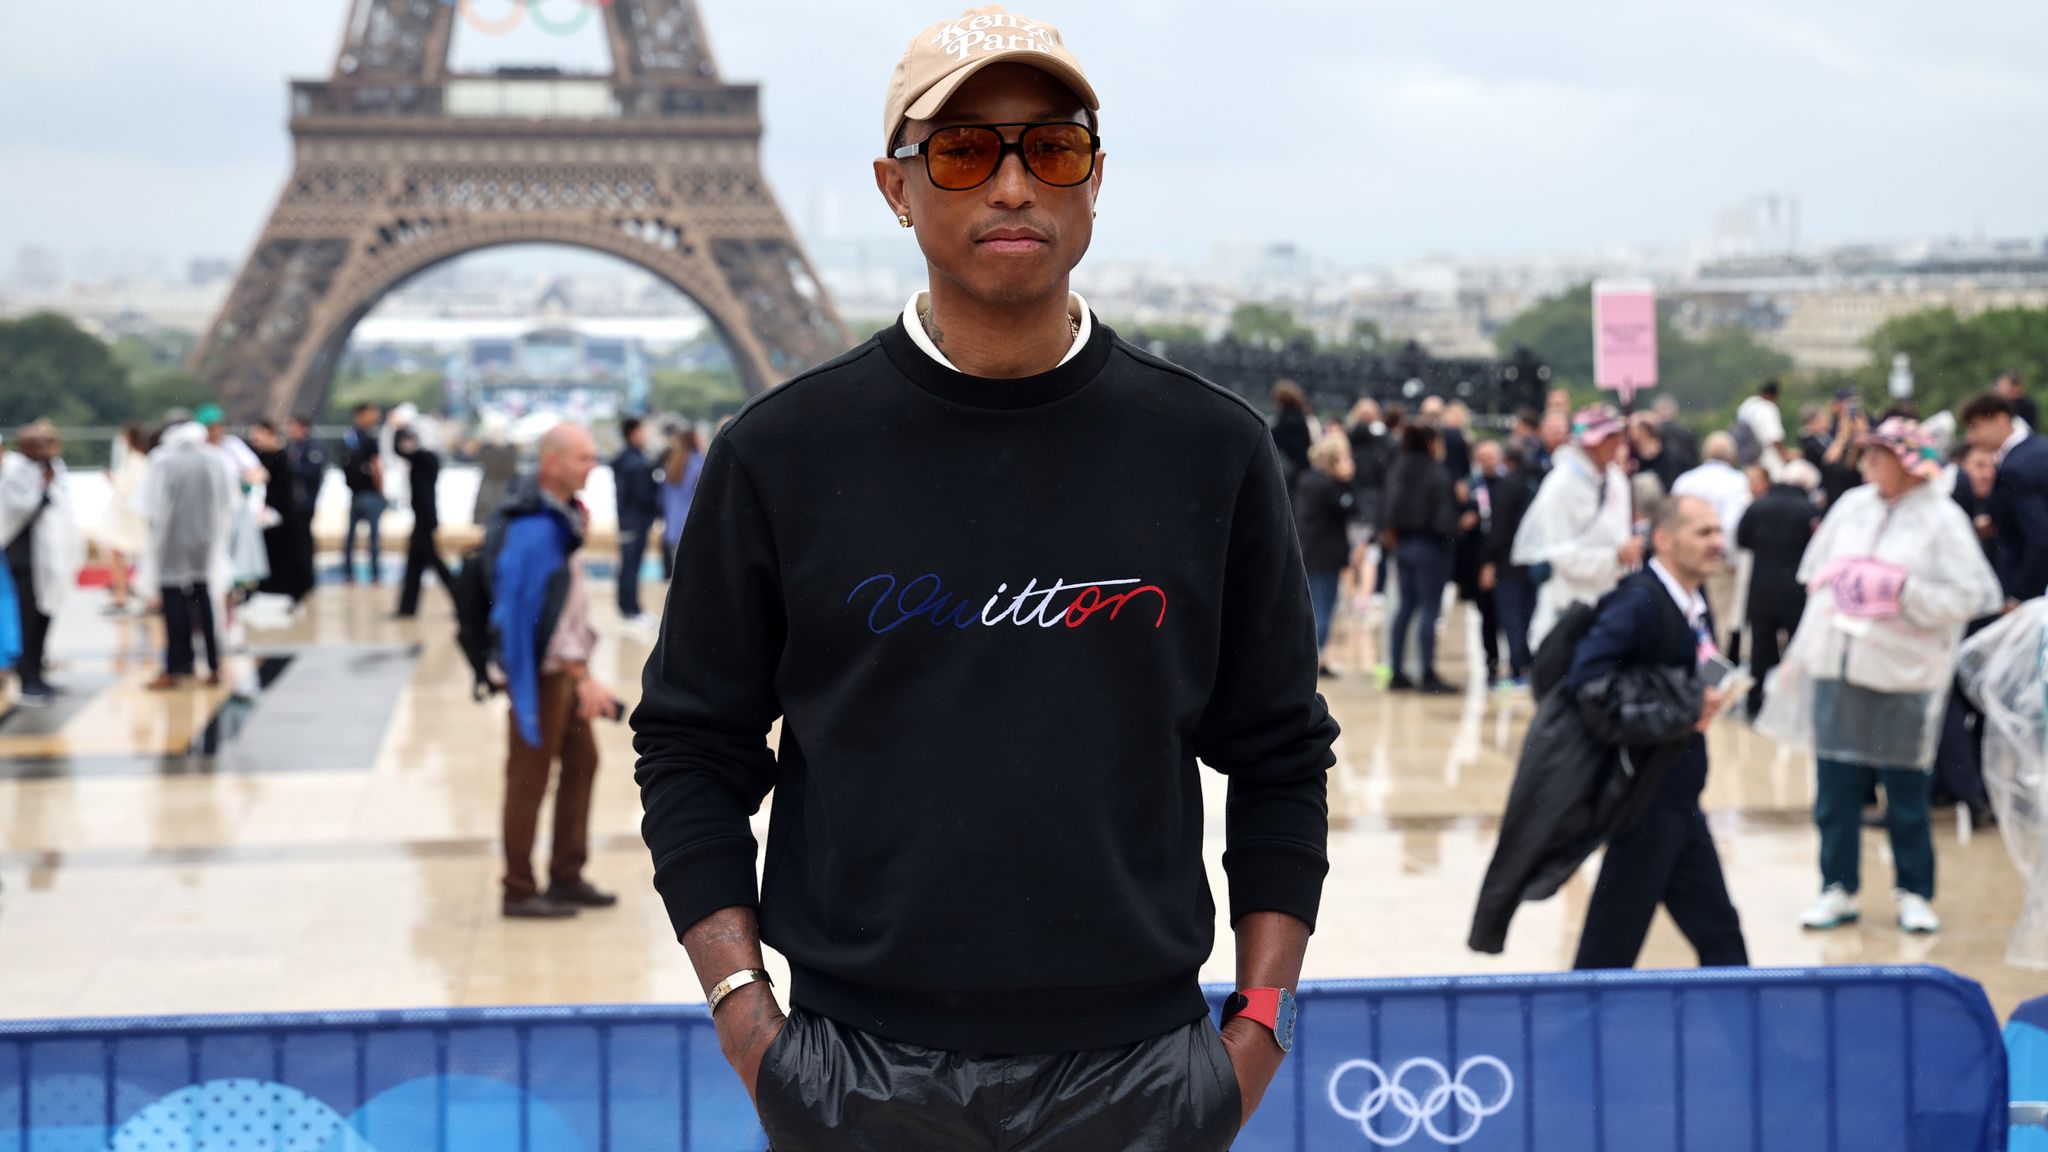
(924, 318)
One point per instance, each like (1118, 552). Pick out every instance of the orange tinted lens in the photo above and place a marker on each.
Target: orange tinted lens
(1059, 154)
(962, 157)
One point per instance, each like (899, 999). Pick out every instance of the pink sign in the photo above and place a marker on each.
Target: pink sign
(1624, 335)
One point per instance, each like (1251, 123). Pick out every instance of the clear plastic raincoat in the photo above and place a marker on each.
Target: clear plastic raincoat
(1576, 526)
(2004, 670)
(1869, 690)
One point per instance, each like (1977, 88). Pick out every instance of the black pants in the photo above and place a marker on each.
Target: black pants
(1668, 858)
(185, 609)
(304, 554)
(1515, 598)
(421, 557)
(1959, 759)
(1770, 628)
(289, 546)
(35, 628)
(632, 553)
(825, 1086)
(1488, 606)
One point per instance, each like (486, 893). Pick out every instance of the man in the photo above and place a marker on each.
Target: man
(1775, 531)
(984, 862)
(306, 464)
(1723, 485)
(2014, 389)
(1760, 424)
(1476, 525)
(1553, 434)
(1660, 618)
(1976, 480)
(1528, 439)
(540, 623)
(639, 506)
(1579, 533)
(2019, 500)
(282, 495)
(1372, 453)
(190, 499)
(362, 465)
(1681, 443)
(1646, 444)
(43, 550)
(1457, 451)
(422, 553)
(1513, 592)
(1959, 758)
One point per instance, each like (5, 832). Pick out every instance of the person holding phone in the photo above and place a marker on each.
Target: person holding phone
(1660, 616)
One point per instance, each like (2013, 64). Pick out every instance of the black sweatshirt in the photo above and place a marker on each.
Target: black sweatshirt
(999, 620)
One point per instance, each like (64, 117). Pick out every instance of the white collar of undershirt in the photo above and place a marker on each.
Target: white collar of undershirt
(2019, 433)
(1692, 603)
(1076, 308)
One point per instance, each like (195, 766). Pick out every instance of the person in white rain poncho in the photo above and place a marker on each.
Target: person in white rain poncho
(1577, 537)
(2004, 670)
(191, 501)
(43, 549)
(1893, 576)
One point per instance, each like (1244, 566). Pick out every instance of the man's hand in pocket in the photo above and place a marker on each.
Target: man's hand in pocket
(748, 1023)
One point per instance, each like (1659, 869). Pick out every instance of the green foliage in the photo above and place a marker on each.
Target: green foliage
(1953, 358)
(1559, 330)
(1708, 375)
(1365, 336)
(387, 390)
(155, 363)
(696, 393)
(1269, 326)
(49, 367)
(159, 393)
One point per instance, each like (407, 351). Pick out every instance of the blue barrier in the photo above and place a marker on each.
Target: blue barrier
(1766, 1060)
(2026, 1046)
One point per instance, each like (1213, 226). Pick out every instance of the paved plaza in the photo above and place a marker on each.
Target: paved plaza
(332, 843)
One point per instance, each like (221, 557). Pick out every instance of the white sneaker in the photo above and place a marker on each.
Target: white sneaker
(1916, 914)
(1837, 907)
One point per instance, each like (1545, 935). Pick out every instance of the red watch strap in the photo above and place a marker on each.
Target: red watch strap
(1262, 1005)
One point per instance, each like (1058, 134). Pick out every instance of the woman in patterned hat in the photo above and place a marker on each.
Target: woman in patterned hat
(1893, 576)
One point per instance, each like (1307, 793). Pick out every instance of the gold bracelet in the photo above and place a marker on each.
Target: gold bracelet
(737, 981)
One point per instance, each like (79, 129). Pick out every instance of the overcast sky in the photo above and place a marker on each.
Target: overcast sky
(1369, 131)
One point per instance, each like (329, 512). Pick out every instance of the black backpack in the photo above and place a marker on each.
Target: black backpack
(1553, 659)
(473, 619)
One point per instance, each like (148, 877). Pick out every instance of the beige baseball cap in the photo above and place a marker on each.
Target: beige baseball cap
(944, 55)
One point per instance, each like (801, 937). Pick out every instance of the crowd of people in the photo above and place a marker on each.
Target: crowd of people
(1848, 563)
(1000, 668)
(197, 520)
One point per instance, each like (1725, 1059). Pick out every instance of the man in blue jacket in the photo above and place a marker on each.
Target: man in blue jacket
(2019, 500)
(540, 619)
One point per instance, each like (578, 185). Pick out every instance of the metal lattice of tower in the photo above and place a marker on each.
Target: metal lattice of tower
(402, 165)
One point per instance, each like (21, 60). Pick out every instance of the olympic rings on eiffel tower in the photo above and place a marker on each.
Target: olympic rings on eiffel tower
(521, 9)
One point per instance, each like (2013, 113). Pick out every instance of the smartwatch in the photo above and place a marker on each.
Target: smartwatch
(1273, 1007)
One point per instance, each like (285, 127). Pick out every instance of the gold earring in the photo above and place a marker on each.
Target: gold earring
(903, 220)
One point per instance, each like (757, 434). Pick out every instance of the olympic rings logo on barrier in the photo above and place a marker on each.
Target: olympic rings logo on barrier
(518, 11)
(1420, 1111)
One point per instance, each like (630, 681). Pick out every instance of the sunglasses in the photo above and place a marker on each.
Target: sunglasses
(964, 157)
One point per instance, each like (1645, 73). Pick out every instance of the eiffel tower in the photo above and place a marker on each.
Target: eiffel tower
(402, 165)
